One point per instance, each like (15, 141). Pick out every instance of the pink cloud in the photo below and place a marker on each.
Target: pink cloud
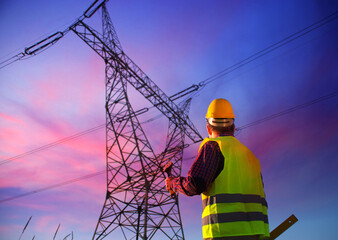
(13, 230)
(43, 223)
(11, 118)
(29, 203)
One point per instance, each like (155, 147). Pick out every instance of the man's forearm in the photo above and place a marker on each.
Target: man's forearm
(201, 173)
(187, 186)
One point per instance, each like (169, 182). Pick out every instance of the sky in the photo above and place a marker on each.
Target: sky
(61, 92)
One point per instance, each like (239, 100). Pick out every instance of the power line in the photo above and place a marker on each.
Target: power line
(53, 38)
(53, 186)
(270, 117)
(203, 83)
(295, 108)
(53, 144)
(80, 134)
(66, 139)
(271, 48)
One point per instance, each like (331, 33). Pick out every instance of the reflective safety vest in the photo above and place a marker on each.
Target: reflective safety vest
(234, 203)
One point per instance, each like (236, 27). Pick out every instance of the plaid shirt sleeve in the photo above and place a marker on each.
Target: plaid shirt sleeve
(202, 172)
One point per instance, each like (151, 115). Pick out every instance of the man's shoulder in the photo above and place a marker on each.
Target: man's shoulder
(211, 143)
(211, 146)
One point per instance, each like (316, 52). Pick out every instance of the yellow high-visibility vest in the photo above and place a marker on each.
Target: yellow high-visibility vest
(234, 203)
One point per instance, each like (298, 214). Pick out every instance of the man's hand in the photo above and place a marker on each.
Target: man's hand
(167, 185)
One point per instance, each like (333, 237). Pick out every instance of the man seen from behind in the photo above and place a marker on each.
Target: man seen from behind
(228, 176)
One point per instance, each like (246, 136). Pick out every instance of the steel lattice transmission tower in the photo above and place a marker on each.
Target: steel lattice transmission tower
(137, 205)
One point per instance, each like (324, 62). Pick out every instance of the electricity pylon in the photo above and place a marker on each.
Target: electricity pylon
(137, 205)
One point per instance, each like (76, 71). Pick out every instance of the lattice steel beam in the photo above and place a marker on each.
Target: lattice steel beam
(136, 77)
(137, 205)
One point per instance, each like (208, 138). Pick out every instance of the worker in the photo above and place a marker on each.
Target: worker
(228, 176)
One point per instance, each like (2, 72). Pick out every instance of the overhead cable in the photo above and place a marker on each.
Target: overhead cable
(271, 48)
(270, 117)
(295, 108)
(189, 90)
(80, 134)
(51, 39)
(53, 144)
(53, 186)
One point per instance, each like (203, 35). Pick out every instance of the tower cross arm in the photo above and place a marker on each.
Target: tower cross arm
(137, 78)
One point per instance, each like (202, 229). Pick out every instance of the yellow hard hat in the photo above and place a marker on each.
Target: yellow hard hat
(220, 108)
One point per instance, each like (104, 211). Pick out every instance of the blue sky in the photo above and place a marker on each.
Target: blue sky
(60, 92)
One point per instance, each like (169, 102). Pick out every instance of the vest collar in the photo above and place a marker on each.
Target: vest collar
(226, 134)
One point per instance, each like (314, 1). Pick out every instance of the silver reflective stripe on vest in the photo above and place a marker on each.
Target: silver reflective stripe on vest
(253, 237)
(234, 217)
(234, 198)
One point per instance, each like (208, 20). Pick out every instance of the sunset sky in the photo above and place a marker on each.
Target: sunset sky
(48, 98)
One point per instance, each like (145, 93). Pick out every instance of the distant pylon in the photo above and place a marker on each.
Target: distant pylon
(137, 205)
